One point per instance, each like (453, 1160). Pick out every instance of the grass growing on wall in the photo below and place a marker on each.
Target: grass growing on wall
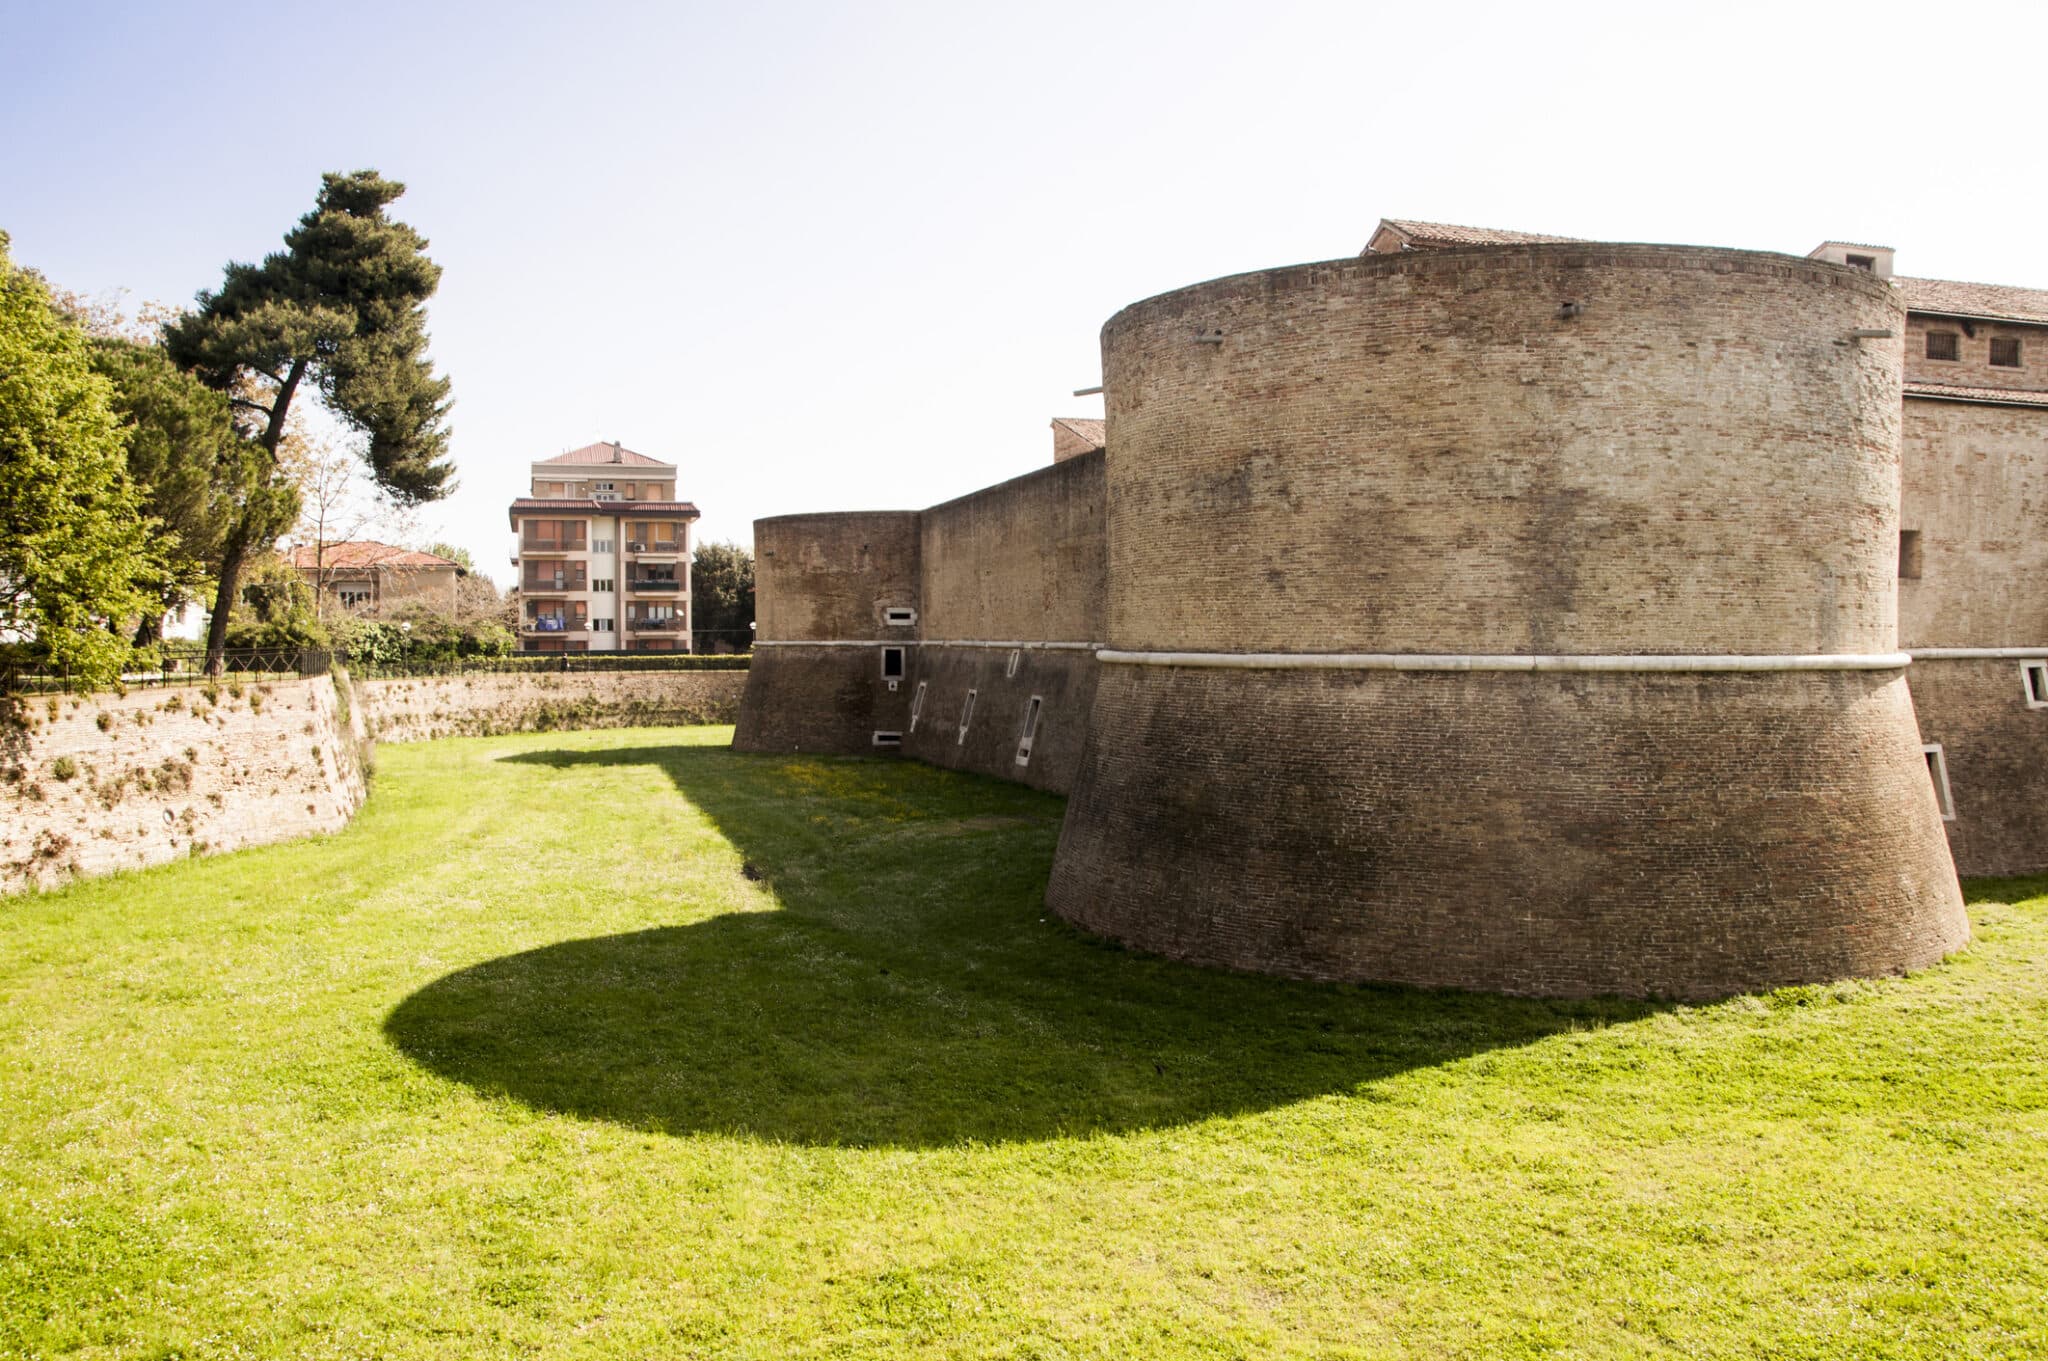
(621, 1044)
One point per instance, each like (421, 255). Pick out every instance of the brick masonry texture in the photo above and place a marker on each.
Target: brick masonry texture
(158, 775)
(1976, 488)
(1415, 453)
(1996, 750)
(831, 576)
(1684, 836)
(482, 705)
(1064, 683)
(1024, 559)
(819, 700)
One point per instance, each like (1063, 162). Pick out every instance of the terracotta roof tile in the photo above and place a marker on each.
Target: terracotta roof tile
(608, 453)
(359, 553)
(1953, 392)
(1996, 302)
(1426, 234)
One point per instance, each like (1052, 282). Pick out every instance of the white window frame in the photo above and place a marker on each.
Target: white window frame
(603, 583)
(899, 616)
(886, 738)
(902, 659)
(917, 704)
(601, 626)
(1937, 770)
(2034, 681)
(1030, 734)
(966, 717)
(1016, 656)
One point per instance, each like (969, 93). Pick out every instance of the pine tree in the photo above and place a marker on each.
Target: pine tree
(342, 306)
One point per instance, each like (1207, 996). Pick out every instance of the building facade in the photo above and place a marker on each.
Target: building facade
(364, 576)
(603, 554)
(1484, 611)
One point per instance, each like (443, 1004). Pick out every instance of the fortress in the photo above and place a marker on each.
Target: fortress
(1493, 612)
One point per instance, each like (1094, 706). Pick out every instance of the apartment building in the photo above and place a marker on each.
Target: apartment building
(603, 554)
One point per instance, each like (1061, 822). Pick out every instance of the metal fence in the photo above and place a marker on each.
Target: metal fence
(182, 666)
(528, 663)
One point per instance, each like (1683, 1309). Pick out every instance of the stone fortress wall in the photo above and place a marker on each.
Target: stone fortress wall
(1452, 635)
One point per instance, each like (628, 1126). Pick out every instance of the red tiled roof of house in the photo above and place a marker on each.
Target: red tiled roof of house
(1994, 302)
(1426, 234)
(1955, 392)
(603, 452)
(357, 553)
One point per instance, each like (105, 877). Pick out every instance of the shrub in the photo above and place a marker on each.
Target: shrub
(64, 768)
(104, 721)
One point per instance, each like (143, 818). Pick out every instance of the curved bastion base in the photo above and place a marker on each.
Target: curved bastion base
(1676, 835)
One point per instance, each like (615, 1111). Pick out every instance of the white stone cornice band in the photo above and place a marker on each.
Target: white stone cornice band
(1511, 661)
(1936, 654)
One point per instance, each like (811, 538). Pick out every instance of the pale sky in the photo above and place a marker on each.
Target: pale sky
(836, 257)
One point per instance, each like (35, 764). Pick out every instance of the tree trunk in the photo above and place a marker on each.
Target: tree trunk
(232, 553)
(237, 547)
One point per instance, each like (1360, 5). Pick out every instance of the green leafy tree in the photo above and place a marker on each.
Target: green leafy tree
(722, 598)
(73, 539)
(342, 307)
(193, 471)
(275, 608)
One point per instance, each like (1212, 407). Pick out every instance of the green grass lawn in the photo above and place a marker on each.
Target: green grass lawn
(620, 1044)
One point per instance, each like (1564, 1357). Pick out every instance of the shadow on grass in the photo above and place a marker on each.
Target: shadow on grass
(911, 992)
(2021, 889)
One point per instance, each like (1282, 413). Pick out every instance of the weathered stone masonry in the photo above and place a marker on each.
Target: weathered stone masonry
(1457, 636)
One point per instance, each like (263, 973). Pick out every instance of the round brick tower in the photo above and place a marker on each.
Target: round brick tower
(1517, 618)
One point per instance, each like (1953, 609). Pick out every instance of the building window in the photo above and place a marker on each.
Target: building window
(600, 545)
(888, 739)
(1909, 555)
(2034, 676)
(1030, 731)
(1937, 771)
(1861, 261)
(600, 626)
(2005, 352)
(899, 616)
(892, 663)
(1016, 656)
(966, 717)
(917, 704)
(1943, 345)
(601, 583)
(351, 599)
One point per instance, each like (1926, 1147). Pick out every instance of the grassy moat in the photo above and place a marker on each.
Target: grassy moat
(621, 1044)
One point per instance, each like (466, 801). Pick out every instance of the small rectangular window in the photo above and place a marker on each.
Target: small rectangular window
(600, 626)
(600, 545)
(899, 616)
(1030, 731)
(888, 739)
(2005, 352)
(1937, 771)
(892, 663)
(1861, 261)
(966, 717)
(1909, 554)
(1943, 345)
(600, 583)
(1016, 656)
(917, 704)
(2034, 676)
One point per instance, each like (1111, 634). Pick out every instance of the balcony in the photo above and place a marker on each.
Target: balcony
(655, 625)
(554, 623)
(529, 585)
(653, 584)
(531, 546)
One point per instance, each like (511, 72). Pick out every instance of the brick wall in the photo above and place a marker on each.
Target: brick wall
(821, 700)
(1024, 559)
(1996, 750)
(1976, 489)
(1685, 836)
(830, 576)
(482, 705)
(1416, 453)
(1063, 681)
(119, 782)
(1972, 366)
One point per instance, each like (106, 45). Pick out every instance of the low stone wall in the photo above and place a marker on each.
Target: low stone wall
(99, 783)
(484, 705)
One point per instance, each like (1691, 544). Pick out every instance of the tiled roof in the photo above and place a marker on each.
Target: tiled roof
(1996, 302)
(1426, 234)
(359, 553)
(1953, 392)
(589, 506)
(608, 453)
(1092, 429)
